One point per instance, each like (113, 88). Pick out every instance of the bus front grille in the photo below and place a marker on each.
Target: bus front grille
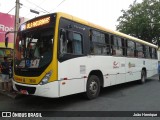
(30, 90)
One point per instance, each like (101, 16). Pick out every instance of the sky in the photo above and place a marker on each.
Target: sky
(102, 12)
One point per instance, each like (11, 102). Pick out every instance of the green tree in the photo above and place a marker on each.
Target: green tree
(141, 20)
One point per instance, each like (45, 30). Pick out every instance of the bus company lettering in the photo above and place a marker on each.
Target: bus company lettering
(131, 65)
(18, 79)
(5, 28)
(116, 64)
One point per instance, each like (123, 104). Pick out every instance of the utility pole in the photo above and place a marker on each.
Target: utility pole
(16, 25)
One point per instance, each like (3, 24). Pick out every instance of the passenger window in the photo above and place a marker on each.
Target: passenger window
(147, 51)
(99, 43)
(150, 52)
(77, 43)
(130, 48)
(107, 44)
(139, 50)
(117, 48)
(154, 53)
(71, 42)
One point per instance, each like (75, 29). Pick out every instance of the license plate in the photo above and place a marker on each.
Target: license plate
(24, 92)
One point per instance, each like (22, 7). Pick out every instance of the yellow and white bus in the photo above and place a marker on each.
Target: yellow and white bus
(58, 55)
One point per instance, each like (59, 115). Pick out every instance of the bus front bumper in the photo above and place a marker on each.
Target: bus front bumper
(50, 90)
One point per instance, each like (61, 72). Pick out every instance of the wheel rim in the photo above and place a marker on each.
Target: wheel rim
(93, 87)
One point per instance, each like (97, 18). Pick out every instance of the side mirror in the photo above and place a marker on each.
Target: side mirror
(6, 41)
(62, 40)
(62, 35)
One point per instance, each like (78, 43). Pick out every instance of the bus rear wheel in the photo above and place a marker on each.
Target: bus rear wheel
(93, 87)
(143, 77)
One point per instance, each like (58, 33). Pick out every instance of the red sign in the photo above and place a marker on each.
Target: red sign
(6, 24)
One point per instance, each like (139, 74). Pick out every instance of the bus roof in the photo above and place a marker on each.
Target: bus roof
(81, 21)
(84, 22)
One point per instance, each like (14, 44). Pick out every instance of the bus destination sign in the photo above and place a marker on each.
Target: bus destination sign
(37, 23)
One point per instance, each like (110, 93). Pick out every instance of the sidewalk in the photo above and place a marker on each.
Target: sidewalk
(9, 94)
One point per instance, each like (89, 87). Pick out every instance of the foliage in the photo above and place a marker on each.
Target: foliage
(141, 20)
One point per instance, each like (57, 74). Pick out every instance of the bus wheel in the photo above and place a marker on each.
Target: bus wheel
(93, 87)
(143, 77)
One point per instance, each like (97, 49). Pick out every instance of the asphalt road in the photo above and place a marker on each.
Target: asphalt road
(125, 97)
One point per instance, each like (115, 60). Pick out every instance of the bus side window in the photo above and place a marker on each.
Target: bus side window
(130, 48)
(113, 43)
(77, 43)
(123, 46)
(69, 42)
(98, 43)
(144, 51)
(107, 44)
(147, 52)
(117, 46)
(139, 50)
(74, 43)
(154, 53)
(150, 52)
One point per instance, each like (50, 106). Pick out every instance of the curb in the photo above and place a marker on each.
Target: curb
(11, 95)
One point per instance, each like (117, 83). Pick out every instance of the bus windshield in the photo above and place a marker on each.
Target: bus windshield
(34, 48)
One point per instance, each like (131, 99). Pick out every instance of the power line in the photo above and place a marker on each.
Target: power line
(57, 6)
(14, 7)
(11, 9)
(34, 8)
(37, 6)
(42, 8)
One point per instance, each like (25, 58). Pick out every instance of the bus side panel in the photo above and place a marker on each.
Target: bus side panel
(69, 87)
(77, 69)
(119, 69)
(71, 72)
(155, 66)
(135, 65)
(151, 66)
(133, 69)
(70, 79)
(114, 71)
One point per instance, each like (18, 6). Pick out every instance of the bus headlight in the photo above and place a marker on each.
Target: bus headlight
(46, 78)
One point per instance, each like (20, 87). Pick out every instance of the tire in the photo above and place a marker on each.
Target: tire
(143, 77)
(92, 87)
